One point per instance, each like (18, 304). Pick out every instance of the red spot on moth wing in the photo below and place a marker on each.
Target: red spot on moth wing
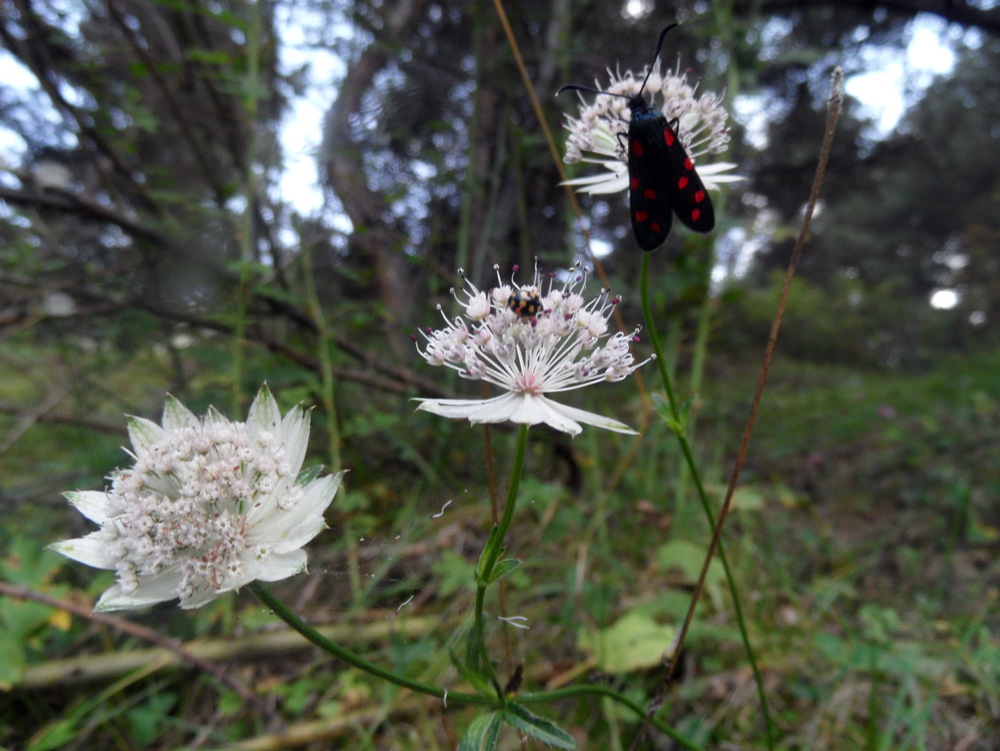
(633, 184)
(688, 164)
(641, 216)
(655, 226)
(669, 137)
(649, 193)
(699, 196)
(695, 214)
(682, 183)
(636, 147)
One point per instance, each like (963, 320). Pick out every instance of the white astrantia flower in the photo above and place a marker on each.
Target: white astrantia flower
(594, 137)
(531, 343)
(208, 506)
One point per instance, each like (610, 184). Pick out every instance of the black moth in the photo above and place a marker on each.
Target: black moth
(661, 175)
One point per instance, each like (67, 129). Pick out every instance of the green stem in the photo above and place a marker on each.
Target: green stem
(311, 634)
(282, 611)
(568, 691)
(494, 549)
(680, 431)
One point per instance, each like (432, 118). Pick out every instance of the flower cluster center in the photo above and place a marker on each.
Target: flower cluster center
(187, 501)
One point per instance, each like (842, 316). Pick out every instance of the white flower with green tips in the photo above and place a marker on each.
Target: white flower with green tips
(531, 343)
(208, 506)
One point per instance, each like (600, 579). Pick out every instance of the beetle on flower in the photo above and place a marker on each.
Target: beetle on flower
(564, 346)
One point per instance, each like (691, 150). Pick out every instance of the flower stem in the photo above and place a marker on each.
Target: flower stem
(679, 429)
(599, 690)
(492, 552)
(282, 611)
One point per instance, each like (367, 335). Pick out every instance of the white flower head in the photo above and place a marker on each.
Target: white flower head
(530, 342)
(208, 506)
(597, 136)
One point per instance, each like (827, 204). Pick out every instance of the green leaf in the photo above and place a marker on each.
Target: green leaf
(633, 642)
(55, 735)
(493, 540)
(689, 558)
(472, 668)
(538, 727)
(503, 568)
(12, 659)
(483, 733)
(747, 498)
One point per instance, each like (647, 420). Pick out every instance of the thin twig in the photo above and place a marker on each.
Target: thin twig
(833, 113)
(144, 634)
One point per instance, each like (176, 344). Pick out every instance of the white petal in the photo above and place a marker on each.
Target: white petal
(176, 415)
(280, 566)
(717, 167)
(587, 418)
(295, 432)
(91, 550)
(610, 184)
(273, 524)
(151, 590)
(264, 412)
(202, 597)
(543, 411)
(294, 527)
(299, 535)
(497, 409)
(93, 504)
(526, 409)
(144, 433)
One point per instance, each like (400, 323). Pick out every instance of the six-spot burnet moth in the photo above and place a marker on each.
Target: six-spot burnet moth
(662, 178)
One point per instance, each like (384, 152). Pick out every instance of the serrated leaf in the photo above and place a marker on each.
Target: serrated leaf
(503, 568)
(483, 733)
(537, 727)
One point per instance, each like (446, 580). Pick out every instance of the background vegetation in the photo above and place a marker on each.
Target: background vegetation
(151, 242)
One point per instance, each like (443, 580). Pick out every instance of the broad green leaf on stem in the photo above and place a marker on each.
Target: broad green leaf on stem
(503, 568)
(471, 668)
(537, 727)
(689, 558)
(483, 733)
(56, 734)
(493, 541)
(676, 425)
(633, 642)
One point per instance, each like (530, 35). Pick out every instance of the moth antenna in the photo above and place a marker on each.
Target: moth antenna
(659, 46)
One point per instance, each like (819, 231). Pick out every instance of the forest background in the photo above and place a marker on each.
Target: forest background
(168, 224)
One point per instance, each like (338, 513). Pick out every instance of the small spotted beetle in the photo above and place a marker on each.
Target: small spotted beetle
(525, 302)
(662, 180)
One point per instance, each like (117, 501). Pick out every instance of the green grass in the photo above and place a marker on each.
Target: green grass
(863, 540)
